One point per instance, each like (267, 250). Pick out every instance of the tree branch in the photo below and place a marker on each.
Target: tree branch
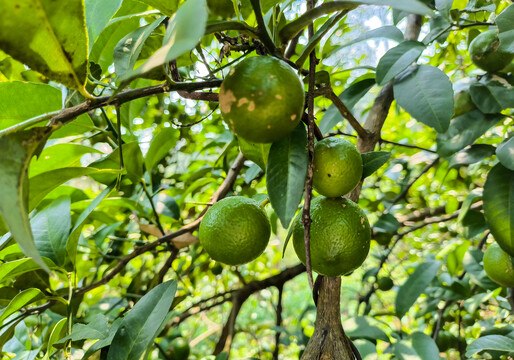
(347, 114)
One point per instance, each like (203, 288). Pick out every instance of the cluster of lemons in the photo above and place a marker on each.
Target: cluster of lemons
(262, 101)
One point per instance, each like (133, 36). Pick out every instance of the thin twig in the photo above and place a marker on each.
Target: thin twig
(278, 322)
(347, 114)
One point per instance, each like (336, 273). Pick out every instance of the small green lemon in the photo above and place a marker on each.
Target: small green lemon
(261, 99)
(235, 230)
(485, 53)
(499, 266)
(385, 283)
(337, 167)
(340, 236)
(179, 349)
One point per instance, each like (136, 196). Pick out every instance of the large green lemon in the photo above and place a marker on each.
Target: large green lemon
(235, 230)
(340, 236)
(499, 266)
(261, 99)
(337, 167)
(485, 53)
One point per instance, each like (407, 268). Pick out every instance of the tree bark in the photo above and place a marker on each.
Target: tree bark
(329, 342)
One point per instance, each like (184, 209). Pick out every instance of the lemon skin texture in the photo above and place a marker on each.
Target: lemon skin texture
(337, 167)
(235, 230)
(499, 266)
(340, 236)
(485, 54)
(262, 99)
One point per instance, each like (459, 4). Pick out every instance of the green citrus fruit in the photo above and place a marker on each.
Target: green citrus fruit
(337, 167)
(485, 54)
(463, 103)
(179, 349)
(222, 8)
(340, 236)
(217, 269)
(499, 266)
(446, 340)
(262, 99)
(385, 283)
(235, 230)
(382, 238)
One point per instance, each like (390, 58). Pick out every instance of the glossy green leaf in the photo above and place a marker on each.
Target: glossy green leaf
(22, 299)
(17, 150)
(161, 145)
(490, 342)
(285, 173)
(491, 97)
(473, 154)
(415, 285)
(51, 228)
(53, 40)
(96, 328)
(40, 185)
(506, 29)
(127, 51)
(58, 331)
(411, 6)
(372, 161)
(141, 324)
(397, 59)
(505, 153)
(472, 263)
(98, 14)
(31, 100)
(418, 346)
(184, 31)
(258, 153)
(104, 341)
(464, 130)
(350, 96)
(387, 32)
(499, 212)
(59, 156)
(432, 105)
(71, 246)
(386, 223)
(12, 269)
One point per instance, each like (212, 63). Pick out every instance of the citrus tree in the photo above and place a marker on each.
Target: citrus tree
(267, 179)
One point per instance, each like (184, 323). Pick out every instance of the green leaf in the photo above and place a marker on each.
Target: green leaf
(505, 153)
(464, 130)
(127, 51)
(397, 59)
(58, 331)
(432, 105)
(167, 7)
(258, 153)
(506, 29)
(12, 269)
(184, 31)
(350, 96)
(96, 328)
(51, 228)
(40, 185)
(492, 96)
(53, 40)
(411, 6)
(473, 154)
(285, 173)
(372, 161)
(499, 212)
(71, 246)
(17, 149)
(59, 156)
(98, 14)
(386, 223)
(361, 327)
(141, 324)
(490, 342)
(472, 263)
(31, 100)
(161, 144)
(387, 32)
(468, 201)
(22, 299)
(415, 285)
(424, 345)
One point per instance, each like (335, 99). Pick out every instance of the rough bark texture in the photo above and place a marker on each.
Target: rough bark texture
(329, 341)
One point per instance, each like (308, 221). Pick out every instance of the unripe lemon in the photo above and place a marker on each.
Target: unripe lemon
(235, 230)
(337, 167)
(340, 236)
(262, 99)
(499, 266)
(485, 53)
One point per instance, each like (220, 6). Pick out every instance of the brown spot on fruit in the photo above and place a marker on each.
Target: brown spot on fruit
(278, 96)
(251, 106)
(242, 101)
(293, 117)
(227, 98)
